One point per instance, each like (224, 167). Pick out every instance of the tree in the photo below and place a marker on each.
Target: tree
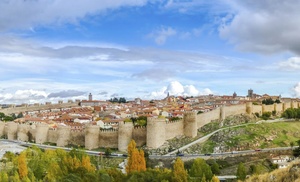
(241, 172)
(22, 166)
(215, 168)
(136, 160)
(20, 115)
(107, 152)
(3, 176)
(86, 163)
(200, 169)
(215, 179)
(2, 115)
(179, 174)
(292, 144)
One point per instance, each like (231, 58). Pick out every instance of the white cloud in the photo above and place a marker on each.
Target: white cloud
(23, 96)
(296, 90)
(177, 89)
(160, 36)
(292, 64)
(27, 14)
(263, 26)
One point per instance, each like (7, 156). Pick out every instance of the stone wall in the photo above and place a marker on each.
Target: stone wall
(286, 105)
(92, 136)
(14, 109)
(235, 109)
(205, 118)
(77, 138)
(139, 135)
(190, 125)
(12, 129)
(156, 132)
(63, 138)
(173, 129)
(124, 135)
(108, 138)
(52, 136)
(2, 128)
(23, 132)
(294, 104)
(278, 107)
(257, 109)
(268, 108)
(41, 135)
(154, 135)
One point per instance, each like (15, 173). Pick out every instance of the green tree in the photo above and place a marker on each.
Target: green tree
(179, 174)
(241, 172)
(20, 115)
(200, 169)
(2, 115)
(3, 176)
(215, 168)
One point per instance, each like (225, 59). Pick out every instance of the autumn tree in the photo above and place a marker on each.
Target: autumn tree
(136, 160)
(179, 174)
(215, 179)
(22, 166)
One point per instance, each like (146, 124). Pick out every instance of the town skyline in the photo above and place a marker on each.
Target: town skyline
(52, 51)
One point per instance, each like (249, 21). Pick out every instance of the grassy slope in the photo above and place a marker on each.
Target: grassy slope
(265, 135)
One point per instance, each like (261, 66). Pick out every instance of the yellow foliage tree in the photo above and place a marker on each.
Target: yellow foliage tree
(22, 166)
(86, 163)
(136, 160)
(179, 173)
(215, 179)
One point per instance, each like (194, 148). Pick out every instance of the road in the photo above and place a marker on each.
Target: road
(27, 144)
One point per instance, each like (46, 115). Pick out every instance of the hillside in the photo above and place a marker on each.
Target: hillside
(252, 136)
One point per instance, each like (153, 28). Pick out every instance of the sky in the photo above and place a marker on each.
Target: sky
(64, 49)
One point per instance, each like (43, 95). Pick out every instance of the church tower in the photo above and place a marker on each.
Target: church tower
(90, 97)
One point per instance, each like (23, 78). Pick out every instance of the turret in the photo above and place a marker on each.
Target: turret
(41, 135)
(249, 107)
(92, 137)
(156, 133)
(190, 125)
(23, 130)
(124, 135)
(63, 136)
(12, 129)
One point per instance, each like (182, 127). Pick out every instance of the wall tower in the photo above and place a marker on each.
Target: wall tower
(190, 124)
(92, 137)
(156, 132)
(124, 135)
(41, 135)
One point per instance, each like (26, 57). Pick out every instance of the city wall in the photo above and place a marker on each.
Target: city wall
(205, 118)
(37, 107)
(108, 139)
(139, 135)
(235, 109)
(173, 129)
(153, 135)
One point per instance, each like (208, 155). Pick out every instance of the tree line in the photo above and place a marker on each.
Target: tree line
(291, 113)
(34, 164)
(11, 117)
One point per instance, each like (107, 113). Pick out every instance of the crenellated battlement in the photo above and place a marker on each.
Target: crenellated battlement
(174, 121)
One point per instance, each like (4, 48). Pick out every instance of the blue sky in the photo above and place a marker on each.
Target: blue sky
(59, 50)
